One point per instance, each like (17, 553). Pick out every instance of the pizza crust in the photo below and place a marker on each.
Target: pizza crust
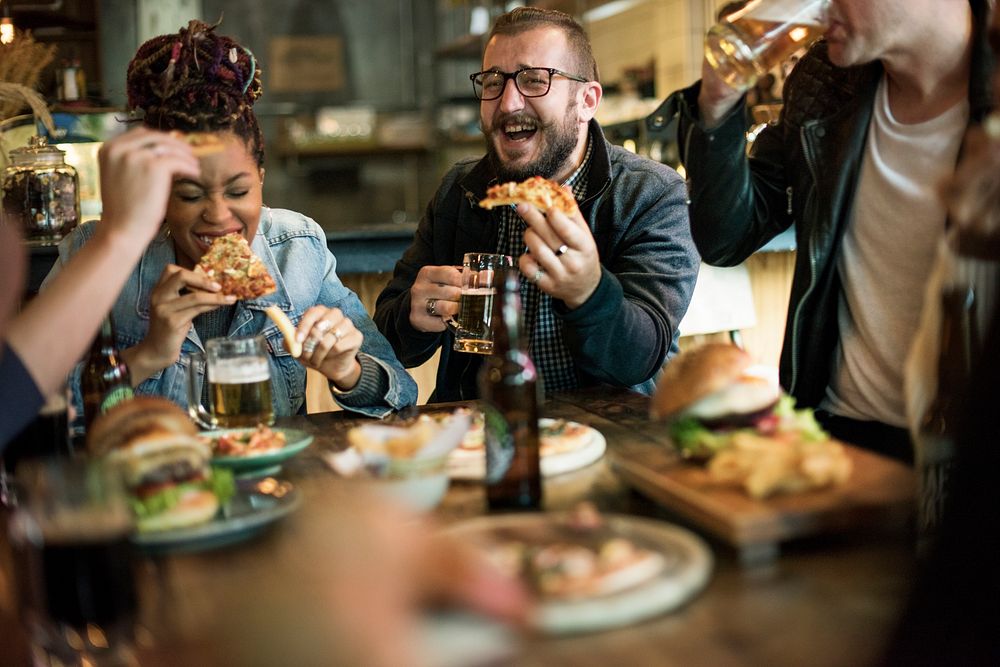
(540, 192)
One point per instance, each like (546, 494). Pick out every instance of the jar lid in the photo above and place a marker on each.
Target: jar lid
(38, 151)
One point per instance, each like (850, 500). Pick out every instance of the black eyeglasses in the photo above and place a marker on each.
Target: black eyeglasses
(530, 81)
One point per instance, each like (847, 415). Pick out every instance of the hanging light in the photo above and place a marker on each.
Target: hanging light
(6, 25)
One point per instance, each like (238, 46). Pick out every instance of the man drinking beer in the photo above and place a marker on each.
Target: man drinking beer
(872, 122)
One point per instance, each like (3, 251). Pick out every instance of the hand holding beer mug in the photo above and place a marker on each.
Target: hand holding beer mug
(753, 40)
(239, 384)
(73, 562)
(473, 329)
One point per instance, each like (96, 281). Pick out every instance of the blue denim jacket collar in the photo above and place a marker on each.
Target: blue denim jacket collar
(161, 252)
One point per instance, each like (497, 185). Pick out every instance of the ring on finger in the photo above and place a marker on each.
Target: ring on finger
(336, 334)
(309, 346)
(538, 275)
(561, 250)
(323, 326)
(431, 307)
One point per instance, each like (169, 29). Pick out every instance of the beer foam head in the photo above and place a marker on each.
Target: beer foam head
(798, 12)
(239, 370)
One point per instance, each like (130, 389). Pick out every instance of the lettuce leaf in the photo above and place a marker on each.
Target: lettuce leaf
(220, 483)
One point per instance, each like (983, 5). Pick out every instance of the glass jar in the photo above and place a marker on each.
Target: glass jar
(41, 193)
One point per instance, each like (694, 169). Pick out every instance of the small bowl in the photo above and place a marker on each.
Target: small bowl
(417, 484)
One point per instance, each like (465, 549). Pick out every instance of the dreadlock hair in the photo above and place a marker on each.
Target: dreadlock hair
(523, 19)
(197, 81)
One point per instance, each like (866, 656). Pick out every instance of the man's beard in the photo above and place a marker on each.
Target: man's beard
(559, 142)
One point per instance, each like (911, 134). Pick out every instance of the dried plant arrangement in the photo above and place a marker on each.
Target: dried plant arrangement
(21, 64)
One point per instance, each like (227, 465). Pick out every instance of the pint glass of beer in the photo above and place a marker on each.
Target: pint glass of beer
(238, 377)
(753, 40)
(472, 328)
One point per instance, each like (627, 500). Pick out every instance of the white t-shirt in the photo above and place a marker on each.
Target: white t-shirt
(887, 254)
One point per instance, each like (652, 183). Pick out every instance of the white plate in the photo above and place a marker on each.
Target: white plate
(470, 464)
(687, 570)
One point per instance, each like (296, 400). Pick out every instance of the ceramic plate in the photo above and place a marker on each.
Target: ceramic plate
(262, 463)
(470, 464)
(258, 503)
(686, 570)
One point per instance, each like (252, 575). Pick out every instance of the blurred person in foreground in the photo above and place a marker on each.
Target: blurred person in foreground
(41, 344)
(603, 289)
(347, 583)
(954, 608)
(200, 81)
(872, 122)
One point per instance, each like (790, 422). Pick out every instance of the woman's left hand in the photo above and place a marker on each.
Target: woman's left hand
(330, 345)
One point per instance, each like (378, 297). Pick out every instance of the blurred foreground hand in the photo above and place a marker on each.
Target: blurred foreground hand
(343, 581)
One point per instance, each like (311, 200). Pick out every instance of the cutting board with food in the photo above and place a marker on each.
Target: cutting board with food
(741, 462)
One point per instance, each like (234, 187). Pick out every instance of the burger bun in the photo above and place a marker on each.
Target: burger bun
(711, 382)
(194, 508)
(136, 420)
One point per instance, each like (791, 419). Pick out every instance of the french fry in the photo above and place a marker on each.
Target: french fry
(286, 328)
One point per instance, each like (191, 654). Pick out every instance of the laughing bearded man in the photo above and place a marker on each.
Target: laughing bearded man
(603, 289)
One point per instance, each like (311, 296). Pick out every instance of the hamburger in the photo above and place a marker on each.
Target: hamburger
(712, 393)
(164, 464)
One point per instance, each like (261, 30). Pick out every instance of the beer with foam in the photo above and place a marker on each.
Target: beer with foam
(239, 392)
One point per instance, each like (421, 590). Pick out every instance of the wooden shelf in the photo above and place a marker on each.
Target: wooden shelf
(465, 47)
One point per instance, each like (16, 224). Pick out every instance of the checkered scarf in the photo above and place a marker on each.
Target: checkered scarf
(551, 356)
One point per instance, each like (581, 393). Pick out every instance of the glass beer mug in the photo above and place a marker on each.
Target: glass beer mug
(239, 384)
(472, 328)
(751, 41)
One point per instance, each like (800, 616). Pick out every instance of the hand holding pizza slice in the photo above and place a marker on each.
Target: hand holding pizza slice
(541, 193)
(231, 263)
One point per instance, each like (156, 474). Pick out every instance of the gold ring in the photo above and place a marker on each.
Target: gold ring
(432, 307)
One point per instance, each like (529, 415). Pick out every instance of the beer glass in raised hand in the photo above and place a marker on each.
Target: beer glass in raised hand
(73, 562)
(472, 328)
(239, 384)
(753, 40)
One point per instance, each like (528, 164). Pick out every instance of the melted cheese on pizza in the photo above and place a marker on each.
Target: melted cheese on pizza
(230, 262)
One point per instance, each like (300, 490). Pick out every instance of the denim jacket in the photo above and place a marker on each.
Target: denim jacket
(293, 248)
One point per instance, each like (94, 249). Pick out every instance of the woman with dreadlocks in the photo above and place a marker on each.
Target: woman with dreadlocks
(199, 81)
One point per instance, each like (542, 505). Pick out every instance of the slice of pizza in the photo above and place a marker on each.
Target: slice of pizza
(202, 143)
(230, 262)
(540, 192)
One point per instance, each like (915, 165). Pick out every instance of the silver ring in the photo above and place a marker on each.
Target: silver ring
(309, 346)
(432, 307)
(561, 250)
(336, 334)
(538, 275)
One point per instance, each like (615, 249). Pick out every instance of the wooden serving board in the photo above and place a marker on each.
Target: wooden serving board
(880, 491)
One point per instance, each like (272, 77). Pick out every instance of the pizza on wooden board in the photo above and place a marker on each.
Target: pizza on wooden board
(540, 192)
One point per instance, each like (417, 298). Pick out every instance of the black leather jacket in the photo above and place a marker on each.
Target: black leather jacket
(626, 330)
(804, 171)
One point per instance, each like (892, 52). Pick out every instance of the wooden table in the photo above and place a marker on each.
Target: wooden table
(829, 600)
